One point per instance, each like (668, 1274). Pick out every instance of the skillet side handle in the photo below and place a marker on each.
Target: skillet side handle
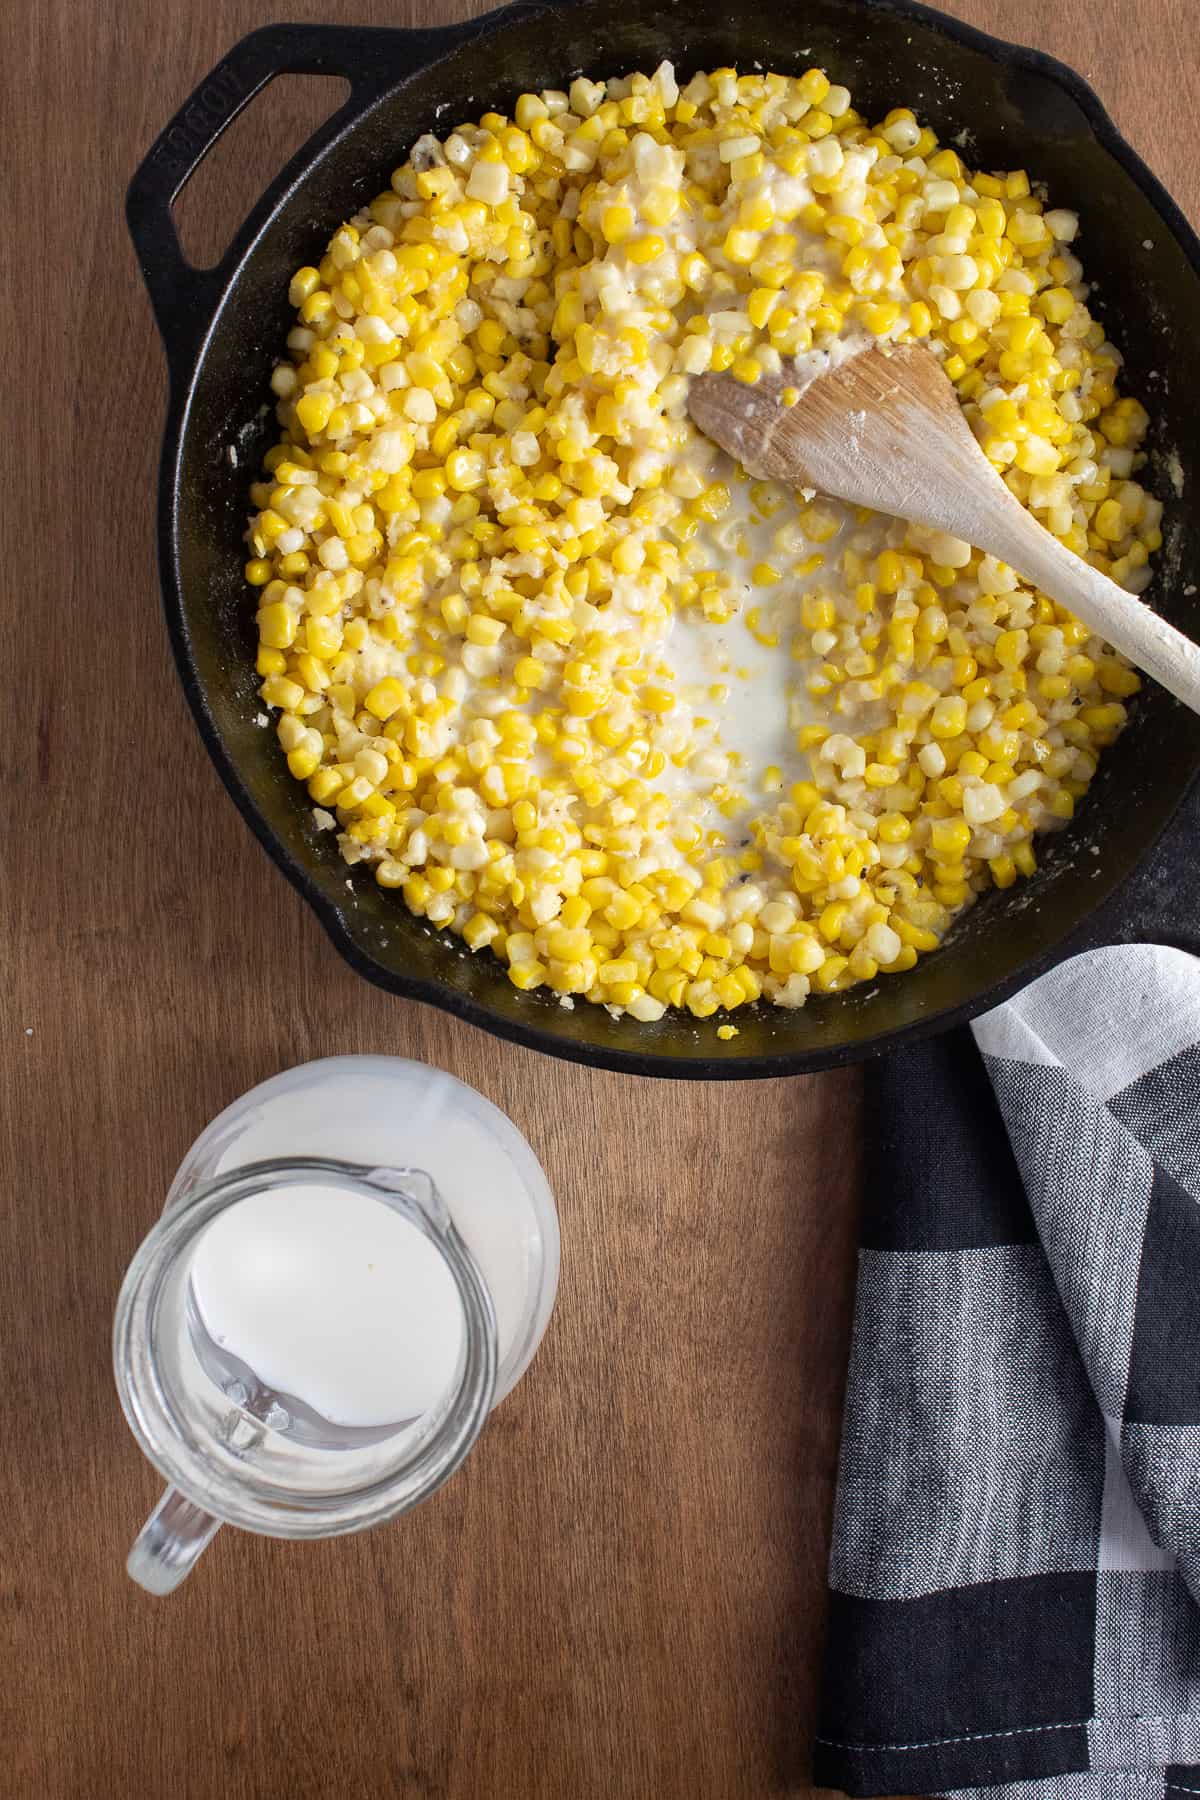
(372, 60)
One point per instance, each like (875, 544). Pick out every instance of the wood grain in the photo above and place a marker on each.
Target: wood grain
(622, 1592)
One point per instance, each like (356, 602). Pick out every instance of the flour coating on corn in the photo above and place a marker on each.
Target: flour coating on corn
(528, 635)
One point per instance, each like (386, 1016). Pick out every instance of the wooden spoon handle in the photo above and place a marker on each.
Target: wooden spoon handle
(1125, 621)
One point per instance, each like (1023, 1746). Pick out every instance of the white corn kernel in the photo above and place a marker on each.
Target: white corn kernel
(488, 182)
(983, 801)
(883, 943)
(940, 196)
(1064, 224)
(420, 406)
(733, 148)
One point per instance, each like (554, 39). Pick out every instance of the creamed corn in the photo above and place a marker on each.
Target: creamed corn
(488, 510)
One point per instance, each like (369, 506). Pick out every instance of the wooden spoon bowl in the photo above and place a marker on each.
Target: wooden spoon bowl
(882, 427)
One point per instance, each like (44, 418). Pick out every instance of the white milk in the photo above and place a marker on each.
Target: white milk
(752, 726)
(385, 1111)
(333, 1298)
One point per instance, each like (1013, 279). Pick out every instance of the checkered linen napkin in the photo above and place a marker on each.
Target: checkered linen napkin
(1015, 1576)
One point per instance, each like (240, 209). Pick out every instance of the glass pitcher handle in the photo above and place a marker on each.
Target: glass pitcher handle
(170, 1543)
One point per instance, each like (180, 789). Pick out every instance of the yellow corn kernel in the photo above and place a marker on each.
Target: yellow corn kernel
(303, 283)
(616, 223)
(527, 975)
(826, 977)
(1010, 648)
(480, 930)
(491, 337)
(324, 635)
(646, 249)
(741, 246)
(623, 911)
(881, 317)
(620, 970)
(303, 761)
(385, 698)
(529, 672)
(316, 306)
(278, 690)
(484, 630)
(817, 613)
(893, 828)
(658, 700)
(1115, 678)
(760, 305)
(917, 937)
(325, 784)
(660, 204)
(949, 838)
(313, 410)
(1109, 522)
(845, 227)
(277, 626)
(949, 717)
(832, 919)
(465, 470)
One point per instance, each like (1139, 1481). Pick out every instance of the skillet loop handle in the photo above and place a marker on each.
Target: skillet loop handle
(372, 60)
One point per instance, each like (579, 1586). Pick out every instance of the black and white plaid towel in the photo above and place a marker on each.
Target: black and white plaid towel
(1015, 1577)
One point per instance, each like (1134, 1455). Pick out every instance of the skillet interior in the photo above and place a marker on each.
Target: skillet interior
(1007, 109)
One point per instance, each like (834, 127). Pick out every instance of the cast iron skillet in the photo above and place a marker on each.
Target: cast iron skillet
(224, 327)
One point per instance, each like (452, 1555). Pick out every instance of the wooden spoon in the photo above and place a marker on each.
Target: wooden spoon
(884, 429)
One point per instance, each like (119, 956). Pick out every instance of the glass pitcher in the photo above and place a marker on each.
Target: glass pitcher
(235, 1447)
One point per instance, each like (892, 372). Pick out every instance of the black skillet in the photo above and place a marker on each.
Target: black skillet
(225, 327)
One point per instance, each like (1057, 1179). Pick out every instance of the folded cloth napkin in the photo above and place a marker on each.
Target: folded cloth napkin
(1015, 1575)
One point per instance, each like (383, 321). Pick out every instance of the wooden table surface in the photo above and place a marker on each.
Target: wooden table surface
(621, 1594)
